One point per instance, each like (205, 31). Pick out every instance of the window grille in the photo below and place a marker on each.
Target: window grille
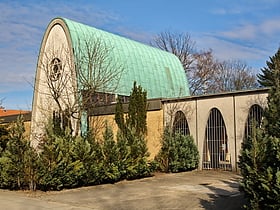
(254, 119)
(180, 124)
(56, 69)
(216, 149)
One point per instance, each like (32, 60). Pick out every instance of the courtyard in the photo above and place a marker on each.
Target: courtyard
(188, 190)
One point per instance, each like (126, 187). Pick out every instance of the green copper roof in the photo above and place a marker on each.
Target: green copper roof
(160, 73)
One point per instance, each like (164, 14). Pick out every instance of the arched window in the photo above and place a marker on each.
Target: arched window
(180, 124)
(254, 119)
(216, 149)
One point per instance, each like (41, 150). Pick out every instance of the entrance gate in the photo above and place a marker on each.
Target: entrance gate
(216, 149)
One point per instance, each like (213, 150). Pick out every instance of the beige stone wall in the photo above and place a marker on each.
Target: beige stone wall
(55, 44)
(234, 108)
(155, 131)
(154, 124)
(27, 126)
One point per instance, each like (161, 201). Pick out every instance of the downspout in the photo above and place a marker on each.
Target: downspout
(196, 135)
(196, 123)
(234, 130)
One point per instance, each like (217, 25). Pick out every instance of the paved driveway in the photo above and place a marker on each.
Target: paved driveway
(189, 190)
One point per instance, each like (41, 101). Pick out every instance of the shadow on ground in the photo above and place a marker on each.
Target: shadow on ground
(223, 199)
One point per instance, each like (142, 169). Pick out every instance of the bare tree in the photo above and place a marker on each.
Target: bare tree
(97, 70)
(198, 66)
(235, 75)
(77, 83)
(1, 102)
(202, 77)
(205, 73)
(180, 44)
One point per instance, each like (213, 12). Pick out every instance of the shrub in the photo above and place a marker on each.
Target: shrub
(57, 167)
(18, 161)
(178, 153)
(133, 155)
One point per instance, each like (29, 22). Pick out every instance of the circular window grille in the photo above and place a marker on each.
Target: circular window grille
(55, 70)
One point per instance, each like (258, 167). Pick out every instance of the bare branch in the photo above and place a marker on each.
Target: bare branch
(180, 45)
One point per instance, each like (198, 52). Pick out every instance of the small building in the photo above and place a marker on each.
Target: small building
(8, 116)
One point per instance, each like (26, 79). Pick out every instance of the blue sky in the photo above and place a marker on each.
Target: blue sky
(248, 30)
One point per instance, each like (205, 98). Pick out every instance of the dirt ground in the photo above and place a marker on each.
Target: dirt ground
(189, 190)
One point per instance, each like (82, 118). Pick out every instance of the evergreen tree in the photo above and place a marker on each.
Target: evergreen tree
(272, 112)
(133, 155)
(58, 169)
(266, 79)
(110, 172)
(260, 154)
(3, 137)
(132, 146)
(137, 110)
(88, 152)
(270, 77)
(178, 153)
(18, 162)
(119, 115)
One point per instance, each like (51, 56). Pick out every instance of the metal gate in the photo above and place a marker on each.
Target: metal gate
(216, 149)
(254, 119)
(180, 124)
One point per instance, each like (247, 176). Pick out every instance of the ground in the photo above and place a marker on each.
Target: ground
(189, 190)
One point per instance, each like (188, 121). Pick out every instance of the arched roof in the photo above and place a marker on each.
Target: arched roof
(157, 71)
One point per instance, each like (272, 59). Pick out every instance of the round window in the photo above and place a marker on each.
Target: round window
(55, 69)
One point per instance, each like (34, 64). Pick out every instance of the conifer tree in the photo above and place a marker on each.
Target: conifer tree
(58, 169)
(119, 115)
(266, 78)
(178, 153)
(131, 141)
(260, 154)
(272, 113)
(17, 163)
(109, 150)
(3, 137)
(137, 110)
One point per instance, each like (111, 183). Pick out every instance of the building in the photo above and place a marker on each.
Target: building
(76, 60)
(8, 116)
(80, 66)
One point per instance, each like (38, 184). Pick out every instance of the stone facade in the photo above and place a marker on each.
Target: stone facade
(234, 108)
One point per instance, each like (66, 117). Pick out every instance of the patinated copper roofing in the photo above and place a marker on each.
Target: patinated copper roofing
(160, 73)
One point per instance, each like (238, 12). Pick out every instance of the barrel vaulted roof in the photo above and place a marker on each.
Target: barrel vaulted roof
(160, 73)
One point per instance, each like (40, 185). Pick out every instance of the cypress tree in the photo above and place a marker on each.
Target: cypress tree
(119, 115)
(131, 142)
(137, 110)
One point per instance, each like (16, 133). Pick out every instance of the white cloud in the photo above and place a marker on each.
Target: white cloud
(241, 7)
(246, 32)
(22, 26)
(255, 56)
(137, 35)
(228, 50)
(270, 27)
(251, 42)
(257, 31)
(226, 11)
